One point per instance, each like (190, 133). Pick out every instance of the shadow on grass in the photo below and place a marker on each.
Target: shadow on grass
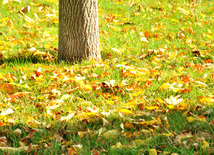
(22, 59)
(58, 137)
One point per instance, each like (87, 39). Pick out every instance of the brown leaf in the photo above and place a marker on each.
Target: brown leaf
(1, 58)
(211, 122)
(3, 141)
(207, 112)
(58, 138)
(26, 9)
(18, 132)
(27, 138)
(30, 147)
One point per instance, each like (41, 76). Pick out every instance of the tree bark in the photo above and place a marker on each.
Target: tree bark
(78, 30)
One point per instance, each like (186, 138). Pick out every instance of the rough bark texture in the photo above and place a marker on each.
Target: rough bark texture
(78, 30)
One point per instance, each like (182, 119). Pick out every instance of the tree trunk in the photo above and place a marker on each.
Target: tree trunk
(78, 30)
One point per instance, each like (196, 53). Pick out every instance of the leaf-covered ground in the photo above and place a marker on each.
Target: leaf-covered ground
(151, 94)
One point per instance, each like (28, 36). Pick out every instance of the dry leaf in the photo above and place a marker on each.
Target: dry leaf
(7, 112)
(111, 134)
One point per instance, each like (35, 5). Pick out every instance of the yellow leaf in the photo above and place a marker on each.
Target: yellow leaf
(118, 146)
(170, 106)
(126, 111)
(2, 48)
(1, 76)
(191, 45)
(48, 46)
(206, 100)
(205, 145)
(145, 131)
(144, 16)
(175, 20)
(111, 134)
(209, 37)
(172, 55)
(139, 142)
(165, 86)
(190, 119)
(110, 102)
(185, 113)
(150, 122)
(153, 152)
(180, 69)
(201, 118)
(87, 87)
(55, 20)
(52, 1)
(88, 114)
(116, 15)
(158, 121)
(165, 135)
(137, 14)
(209, 31)
(81, 134)
(159, 100)
(168, 41)
(152, 108)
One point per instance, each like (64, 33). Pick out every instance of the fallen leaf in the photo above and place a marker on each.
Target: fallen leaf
(150, 108)
(205, 145)
(190, 119)
(117, 146)
(153, 152)
(7, 112)
(101, 130)
(145, 131)
(7, 88)
(3, 141)
(125, 111)
(207, 112)
(174, 100)
(66, 118)
(14, 150)
(139, 142)
(182, 136)
(144, 39)
(111, 134)
(55, 104)
(18, 132)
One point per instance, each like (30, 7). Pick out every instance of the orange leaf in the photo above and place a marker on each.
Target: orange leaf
(7, 88)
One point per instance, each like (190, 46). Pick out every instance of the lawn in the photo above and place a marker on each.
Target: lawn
(152, 93)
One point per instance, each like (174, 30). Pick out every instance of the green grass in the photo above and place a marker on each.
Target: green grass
(127, 91)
